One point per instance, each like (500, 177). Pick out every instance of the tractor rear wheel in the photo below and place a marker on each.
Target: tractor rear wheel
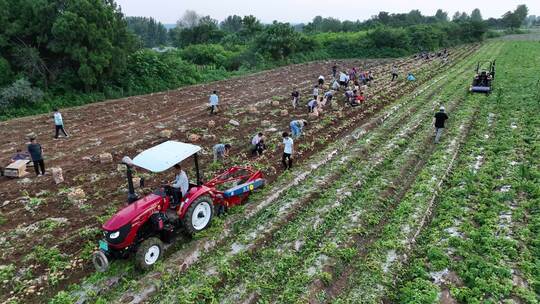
(199, 215)
(148, 253)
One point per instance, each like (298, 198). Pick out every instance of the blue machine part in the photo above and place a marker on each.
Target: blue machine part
(103, 246)
(480, 89)
(243, 188)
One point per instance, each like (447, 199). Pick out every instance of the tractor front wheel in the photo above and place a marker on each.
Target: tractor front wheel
(148, 253)
(100, 261)
(199, 215)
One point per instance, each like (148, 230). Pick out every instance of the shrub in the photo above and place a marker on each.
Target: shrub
(5, 72)
(20, 93)
(393, 38)
(419, 291)
(280, 40)
(206, 54)
(149, 71)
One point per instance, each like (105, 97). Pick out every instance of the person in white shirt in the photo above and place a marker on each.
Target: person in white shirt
(312, 104)
(257, 144)
(335, 85)
(214, 101)
(287, 151)
(321, 80)
(316, 92)
(59, 123)
(343, 79)
(180, 185)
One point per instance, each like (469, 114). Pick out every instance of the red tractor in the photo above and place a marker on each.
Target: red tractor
(142, 227)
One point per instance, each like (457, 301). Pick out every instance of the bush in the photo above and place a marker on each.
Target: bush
(206, 54)
(5, 72)
(279, 40)
(20, 93)
(149, 71)
(418, 291)
(392, 38)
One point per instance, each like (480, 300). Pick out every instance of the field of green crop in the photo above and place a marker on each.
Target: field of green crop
(383, 215)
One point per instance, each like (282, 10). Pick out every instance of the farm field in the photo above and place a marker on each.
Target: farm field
(372, 211)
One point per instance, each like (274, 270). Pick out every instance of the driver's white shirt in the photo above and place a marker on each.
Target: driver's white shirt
(181, 181)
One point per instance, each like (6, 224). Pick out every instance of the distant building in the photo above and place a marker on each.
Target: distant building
(163, 49)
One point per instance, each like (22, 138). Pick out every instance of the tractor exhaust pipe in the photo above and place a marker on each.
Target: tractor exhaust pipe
(132, 196)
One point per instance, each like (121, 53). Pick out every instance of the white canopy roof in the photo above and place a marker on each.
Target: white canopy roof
(164, 155)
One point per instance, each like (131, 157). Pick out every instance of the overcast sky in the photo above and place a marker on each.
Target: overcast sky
(296, 11)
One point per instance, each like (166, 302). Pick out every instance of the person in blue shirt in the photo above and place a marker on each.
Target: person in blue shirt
(214, 101)
(221, 151)
(296, 127)
(410, 77)
(59, 123)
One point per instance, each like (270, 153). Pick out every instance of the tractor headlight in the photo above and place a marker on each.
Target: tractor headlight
(114, 235)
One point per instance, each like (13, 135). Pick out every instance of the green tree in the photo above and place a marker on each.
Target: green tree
(394, 38)
(511, 20)
(44, 39)
(206, 31)
(521, 12)
(415, 17)
(232, 24)
(441, 15)
(5, 72)
(280, 40)
(151, 32)
(251, 27)
(476, 16)
(206, 54)
(94, 38)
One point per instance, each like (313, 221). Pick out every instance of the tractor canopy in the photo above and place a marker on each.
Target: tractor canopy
(165, 155)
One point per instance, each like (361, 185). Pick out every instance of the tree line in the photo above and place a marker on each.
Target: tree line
(56, 53)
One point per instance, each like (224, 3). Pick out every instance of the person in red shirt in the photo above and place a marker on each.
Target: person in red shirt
(360, 98)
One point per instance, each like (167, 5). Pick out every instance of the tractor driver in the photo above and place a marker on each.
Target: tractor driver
(179, 186)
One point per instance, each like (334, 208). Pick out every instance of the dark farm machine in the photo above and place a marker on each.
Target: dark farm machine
(483, 80)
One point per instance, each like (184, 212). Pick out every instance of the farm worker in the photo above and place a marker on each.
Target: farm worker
(349, 94)
(394, 72)
(287, 151)
(312, 104)
(343, 79)
(295, 97)
(321, 80)
(410, 77)
(58, 123)
(360, 98)
(316, 91)
(20, 156)
(363, 78)
(257, 144)
(335, 85)
(180, 185)
(36, 154)
(334, 70)
(440, 118)
(214, 101)
(221, 151)
(297, 126)
(370, 76)
(352, 74)
(329, 95)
